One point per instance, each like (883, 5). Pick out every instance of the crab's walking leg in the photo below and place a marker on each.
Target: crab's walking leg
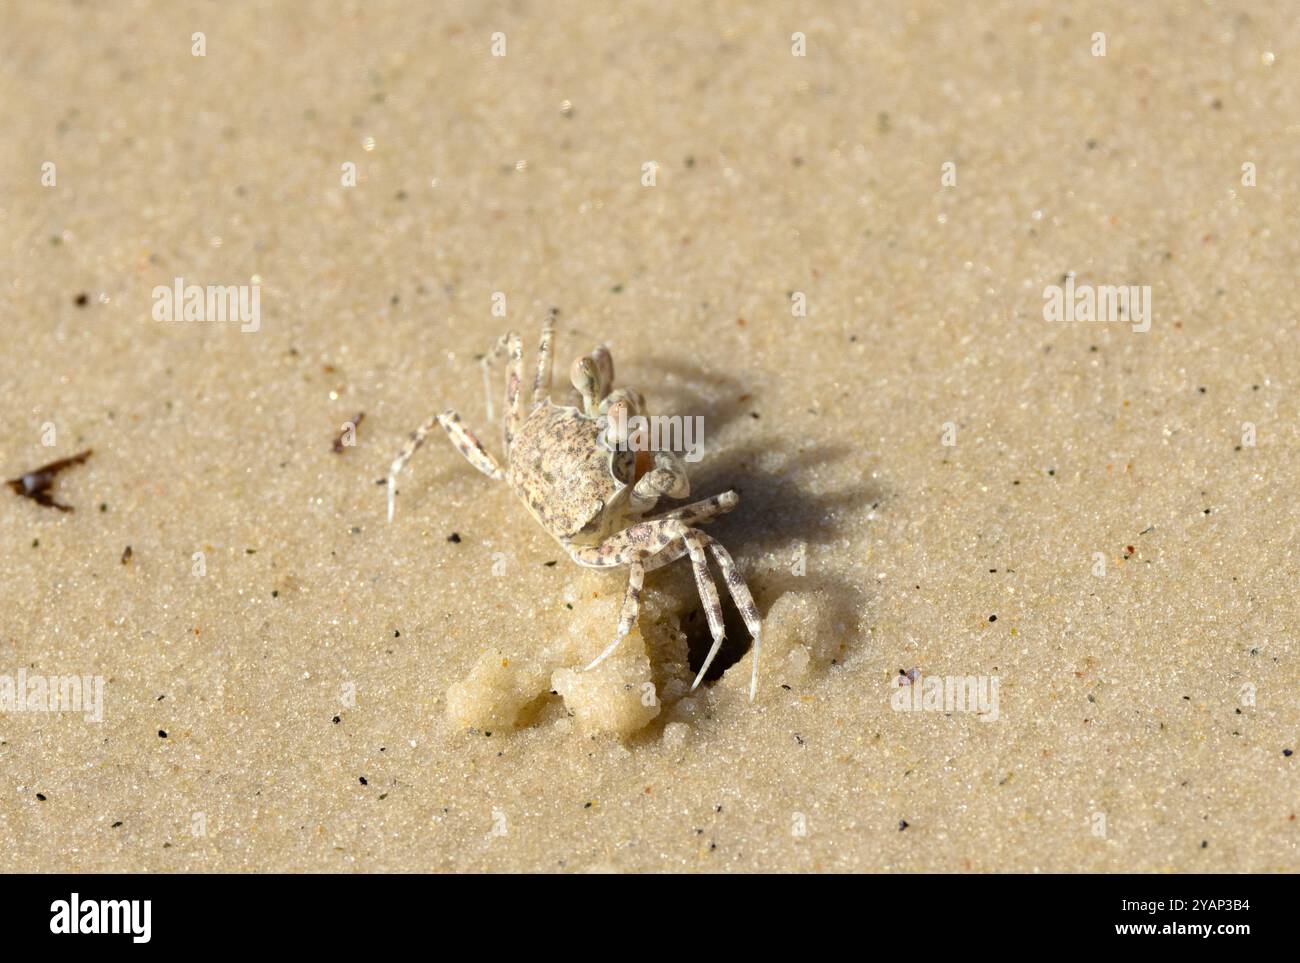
(629, 547)
(485, 365)
(497, 350)
(511, 346)
(461, 437)
(626, 618)
(635, 580)
(709, 596)
(697, 513)
(641, 541)
(545, 361)
(744, 600)
(468, 445)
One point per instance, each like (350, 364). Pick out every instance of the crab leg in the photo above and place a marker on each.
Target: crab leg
(510, 345)
(697, 513)
(627, 617)
(632, 547)
(709, 596)
(744, 600)
(545, 361)
(633, 544)
(739, 590)
(498, 349)
(461, 437)
(632, 601)
(468, 445)
(637, 543)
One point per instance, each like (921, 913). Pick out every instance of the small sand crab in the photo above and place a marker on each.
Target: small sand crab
(586, 487)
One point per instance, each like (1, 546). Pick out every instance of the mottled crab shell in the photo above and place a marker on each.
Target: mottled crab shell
(565, 474)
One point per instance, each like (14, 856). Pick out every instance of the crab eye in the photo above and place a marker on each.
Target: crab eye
(616, 426)
(584, 376)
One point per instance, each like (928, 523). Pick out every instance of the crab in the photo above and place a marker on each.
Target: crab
(575, 470)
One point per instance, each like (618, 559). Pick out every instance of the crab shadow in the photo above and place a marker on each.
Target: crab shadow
(778, 516)
(679, 391)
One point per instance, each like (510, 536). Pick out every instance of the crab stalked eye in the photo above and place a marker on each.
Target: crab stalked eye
(616, 427)
(584, 376)
(604, 368)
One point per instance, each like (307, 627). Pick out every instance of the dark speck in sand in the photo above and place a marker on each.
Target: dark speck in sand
(36, 484)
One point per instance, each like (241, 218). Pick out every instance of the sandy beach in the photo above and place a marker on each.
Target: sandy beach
(989, 313)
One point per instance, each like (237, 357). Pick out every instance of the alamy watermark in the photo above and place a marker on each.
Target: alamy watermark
(53, 693)
(1124, 303)
(128, 916)
(914, 692)
(623, 432)
(219, 303)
